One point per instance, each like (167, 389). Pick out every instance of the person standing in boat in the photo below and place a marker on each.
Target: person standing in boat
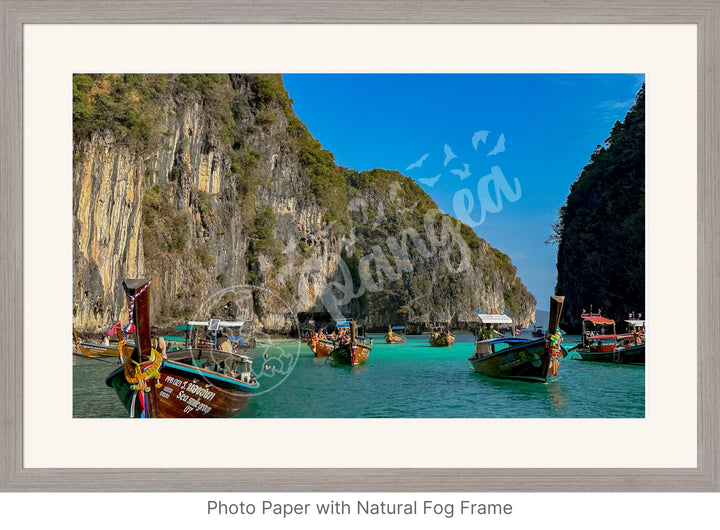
(161, 347)
(223, 343)
(489, 331)
(637, 335)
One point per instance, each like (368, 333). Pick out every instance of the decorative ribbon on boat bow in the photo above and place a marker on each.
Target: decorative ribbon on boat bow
(138, 374)
(552, 344)
(130, 328)
(115, 327)
(353, 347)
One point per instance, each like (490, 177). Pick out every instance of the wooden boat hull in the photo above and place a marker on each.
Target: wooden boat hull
(527, 361)
(92, 349)
(322, 347)
(395, 339)
(88, 349)
(344, 354)
(634, 355)
(442, 341)
(186, 391)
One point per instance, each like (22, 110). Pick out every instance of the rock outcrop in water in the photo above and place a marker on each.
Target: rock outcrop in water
(204, 182)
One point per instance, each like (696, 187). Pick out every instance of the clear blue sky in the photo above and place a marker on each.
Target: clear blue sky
(550, 123)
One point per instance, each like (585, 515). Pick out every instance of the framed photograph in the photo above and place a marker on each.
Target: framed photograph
(60, 438)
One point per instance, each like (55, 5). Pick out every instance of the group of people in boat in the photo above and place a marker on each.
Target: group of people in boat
(341, 335)
(438, 334)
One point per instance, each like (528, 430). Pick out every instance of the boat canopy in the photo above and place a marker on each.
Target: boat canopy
(173, 338)
(636, 323)
(343, 324)
(399, 328)
(217, 323)
(596, 319)
(494, 318)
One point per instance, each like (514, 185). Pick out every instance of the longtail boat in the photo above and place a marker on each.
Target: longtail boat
(92, 349)
(321, 343)
(321, 347)
(441, 337)
(192, 383)
(353, 351)
(488, 321)
(600, 345)
(395, 335)
(519, 358)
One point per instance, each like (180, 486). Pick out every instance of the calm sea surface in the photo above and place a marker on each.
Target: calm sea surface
(409, 380)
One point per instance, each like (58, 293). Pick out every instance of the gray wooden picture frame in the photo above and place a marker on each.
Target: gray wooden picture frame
(15, 13)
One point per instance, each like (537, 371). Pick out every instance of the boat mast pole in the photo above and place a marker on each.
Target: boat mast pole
(556, 305)
(139, 293)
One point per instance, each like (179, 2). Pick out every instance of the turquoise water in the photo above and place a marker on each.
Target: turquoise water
(409, 380)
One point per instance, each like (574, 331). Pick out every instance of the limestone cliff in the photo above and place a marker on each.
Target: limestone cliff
(601, 229)
(201, 183)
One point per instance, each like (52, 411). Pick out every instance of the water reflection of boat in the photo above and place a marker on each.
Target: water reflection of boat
(519, 358)
(188, 383)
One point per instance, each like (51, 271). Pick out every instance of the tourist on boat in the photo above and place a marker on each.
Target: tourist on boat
(637, 335)
(489, 331)
(223, 343)
(161, 346)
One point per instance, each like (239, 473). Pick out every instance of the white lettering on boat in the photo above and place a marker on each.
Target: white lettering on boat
(193, 403)
(204, 393)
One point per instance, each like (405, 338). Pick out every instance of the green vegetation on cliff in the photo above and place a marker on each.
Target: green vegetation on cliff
(601, 229)
(209, 148)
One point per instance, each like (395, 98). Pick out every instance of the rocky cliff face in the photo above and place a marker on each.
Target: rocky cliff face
(202, 183)
(601, 230)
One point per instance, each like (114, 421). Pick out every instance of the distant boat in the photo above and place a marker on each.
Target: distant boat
(322, 343)
(93, 349)
(343, 346)
(308, 333)
(441, 337)
(321, 347)
(537, 331)
(519, 358)
(349, 347)
(352, 352)
(395, 335)
(197, 382)
(600, 346)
